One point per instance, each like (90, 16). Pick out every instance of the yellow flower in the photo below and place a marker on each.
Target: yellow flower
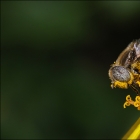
(135, 103)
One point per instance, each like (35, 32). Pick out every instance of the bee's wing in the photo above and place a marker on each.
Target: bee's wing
(123, 58)
(137, 48)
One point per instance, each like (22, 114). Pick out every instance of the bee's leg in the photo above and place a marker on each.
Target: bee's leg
(134, 89)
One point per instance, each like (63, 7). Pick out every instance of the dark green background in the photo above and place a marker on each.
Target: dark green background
(54, 68)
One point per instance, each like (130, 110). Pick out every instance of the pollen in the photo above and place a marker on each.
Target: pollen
(138, 82)
(120, 84)
(136, 65)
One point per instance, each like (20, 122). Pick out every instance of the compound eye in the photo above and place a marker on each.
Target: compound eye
(119, 73)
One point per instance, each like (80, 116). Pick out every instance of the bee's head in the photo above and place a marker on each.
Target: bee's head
(119, 74)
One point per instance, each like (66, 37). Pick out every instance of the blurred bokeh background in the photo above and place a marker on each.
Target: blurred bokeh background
(55, 57)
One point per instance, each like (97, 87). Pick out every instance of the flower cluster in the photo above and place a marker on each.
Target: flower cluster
(135, 103)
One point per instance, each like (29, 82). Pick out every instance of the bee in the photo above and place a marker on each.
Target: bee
(125, 72)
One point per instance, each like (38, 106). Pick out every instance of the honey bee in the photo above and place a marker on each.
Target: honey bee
(125, 72)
